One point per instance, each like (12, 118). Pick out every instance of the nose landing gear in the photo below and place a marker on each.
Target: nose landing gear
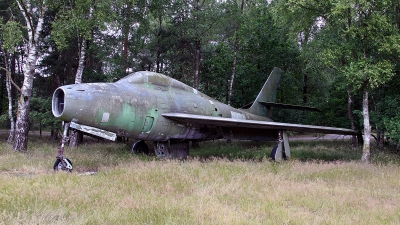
(62, 163)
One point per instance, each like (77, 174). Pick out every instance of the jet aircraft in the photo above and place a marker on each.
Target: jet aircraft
(149, 106)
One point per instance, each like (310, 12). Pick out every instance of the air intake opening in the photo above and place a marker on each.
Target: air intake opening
(58, 102)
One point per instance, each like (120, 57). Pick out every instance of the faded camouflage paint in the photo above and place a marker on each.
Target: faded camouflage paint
(132, 107)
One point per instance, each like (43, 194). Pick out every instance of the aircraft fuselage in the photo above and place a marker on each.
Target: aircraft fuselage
(133, 107)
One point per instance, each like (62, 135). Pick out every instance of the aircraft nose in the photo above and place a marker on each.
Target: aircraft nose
(58, 102)
(73, 102)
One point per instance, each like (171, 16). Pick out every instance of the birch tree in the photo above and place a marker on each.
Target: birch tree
(33, 13)
(78, 20)
(235, 51)
(366, 35)
(74, 21)
(11, 37)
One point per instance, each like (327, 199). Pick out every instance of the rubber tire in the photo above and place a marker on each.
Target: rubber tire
(58, 161)
(140, 147)
(273, 152)
(161, 149)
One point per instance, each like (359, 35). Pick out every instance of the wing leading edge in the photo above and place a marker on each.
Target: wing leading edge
(262, 125)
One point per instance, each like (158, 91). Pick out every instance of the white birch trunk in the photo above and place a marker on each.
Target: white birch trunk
(10, 111)
(367, 129)
(233, 69)
(22, 123)
(197, 70)
(235, 50)
(81, 63)
(82, 55)
(74, 136)
(10, 100)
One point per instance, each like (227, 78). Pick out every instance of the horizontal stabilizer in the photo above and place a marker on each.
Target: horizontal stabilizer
(286, 106)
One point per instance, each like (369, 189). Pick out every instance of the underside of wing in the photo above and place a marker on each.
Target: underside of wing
(255, 124)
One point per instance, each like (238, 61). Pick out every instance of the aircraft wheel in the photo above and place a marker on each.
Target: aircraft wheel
(65, 165)
(161, 149)
(273, 152)
(140, 147)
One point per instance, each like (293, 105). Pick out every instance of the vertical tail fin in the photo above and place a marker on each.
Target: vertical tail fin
(267, 94)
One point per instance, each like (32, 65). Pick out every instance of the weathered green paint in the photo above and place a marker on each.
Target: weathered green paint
(152, 106)
(127, 106)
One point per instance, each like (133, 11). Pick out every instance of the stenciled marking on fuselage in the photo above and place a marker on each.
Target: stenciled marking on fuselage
(239, 116)
(106, 117)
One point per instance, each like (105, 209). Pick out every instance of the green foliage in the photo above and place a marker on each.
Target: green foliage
(40, 115)
(387, 117)
(78, 19)
(346, 46)
(216, 67)
(366, 74)
(393, 128)
(262, 46)
(11, 35)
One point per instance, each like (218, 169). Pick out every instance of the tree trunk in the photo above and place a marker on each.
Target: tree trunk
(125, 31)
(197, 70)
(8, 66)
(350, 103)
(159, 45)
(305, 88)
(10, 111)
(235, 50)
(81, 63)
(381, 139)
(74, 136)
(22, 123)
(367, 129)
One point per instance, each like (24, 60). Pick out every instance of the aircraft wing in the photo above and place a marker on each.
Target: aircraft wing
(257, 124)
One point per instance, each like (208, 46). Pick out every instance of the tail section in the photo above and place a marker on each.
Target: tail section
(267, 94)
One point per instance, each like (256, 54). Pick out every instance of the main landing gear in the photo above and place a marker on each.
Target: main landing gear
(62, 163)
(172, 149)
(282, 150)
(164, 149)
(140, 147)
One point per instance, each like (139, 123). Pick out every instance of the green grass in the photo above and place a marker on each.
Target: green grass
(220, 183)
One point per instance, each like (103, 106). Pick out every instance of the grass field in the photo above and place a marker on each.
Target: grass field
(324, 183)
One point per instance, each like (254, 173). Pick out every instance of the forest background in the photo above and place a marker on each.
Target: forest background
(341, 56)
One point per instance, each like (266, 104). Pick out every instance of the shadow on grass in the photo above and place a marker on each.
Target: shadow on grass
(236, 150)
(300, 150)
(94, 153)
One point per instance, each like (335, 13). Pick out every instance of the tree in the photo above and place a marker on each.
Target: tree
(79, 19)
(11, 36)
(235, 52)
(33, 13)
(366, 36)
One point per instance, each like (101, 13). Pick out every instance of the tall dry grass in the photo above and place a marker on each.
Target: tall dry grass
(130, 189)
